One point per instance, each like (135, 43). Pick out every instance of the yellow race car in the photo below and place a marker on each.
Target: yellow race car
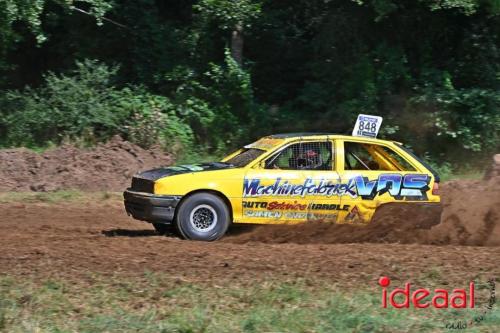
(284, 178)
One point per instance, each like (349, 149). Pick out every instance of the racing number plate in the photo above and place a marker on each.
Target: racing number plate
(367, 125)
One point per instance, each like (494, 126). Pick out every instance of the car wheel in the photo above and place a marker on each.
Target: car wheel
(203, 216)
(162, 228)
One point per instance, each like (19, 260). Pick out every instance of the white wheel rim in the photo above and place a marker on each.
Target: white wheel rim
(203, 218)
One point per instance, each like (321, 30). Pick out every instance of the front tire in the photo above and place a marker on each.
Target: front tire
(203, 216)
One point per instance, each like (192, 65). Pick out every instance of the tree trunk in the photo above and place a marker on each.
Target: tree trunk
(237, 44)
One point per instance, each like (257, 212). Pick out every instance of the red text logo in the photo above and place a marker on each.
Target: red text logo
(423, 298)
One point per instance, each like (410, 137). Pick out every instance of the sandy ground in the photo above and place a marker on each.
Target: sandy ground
(75, 239)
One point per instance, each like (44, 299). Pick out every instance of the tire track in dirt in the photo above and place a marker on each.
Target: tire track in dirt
(78, 239)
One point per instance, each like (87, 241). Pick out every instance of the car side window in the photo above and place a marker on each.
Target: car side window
(303, 156)
(362, 156)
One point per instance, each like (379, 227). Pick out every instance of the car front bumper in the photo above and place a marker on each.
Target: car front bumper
(149, 207)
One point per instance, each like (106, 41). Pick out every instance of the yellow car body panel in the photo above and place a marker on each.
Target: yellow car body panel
(261, 195)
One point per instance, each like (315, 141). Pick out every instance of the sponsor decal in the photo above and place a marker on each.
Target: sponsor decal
(328, 188)
(254, 204)
(314, 206)
(332, 217)
(407, 187)
(354, 214)
(411, 186)
(262, 213)
(187, 167)
(277, 205)
(293, 215)
(286, 206)
(192, 167)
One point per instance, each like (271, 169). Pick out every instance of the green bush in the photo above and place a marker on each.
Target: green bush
(218, 104)
(85, 106)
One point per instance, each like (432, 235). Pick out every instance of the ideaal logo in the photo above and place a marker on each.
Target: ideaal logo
(411, 186)
(439, 298)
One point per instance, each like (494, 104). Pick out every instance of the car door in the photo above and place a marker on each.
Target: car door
(324, 199)
(375, 174)
(281, 188)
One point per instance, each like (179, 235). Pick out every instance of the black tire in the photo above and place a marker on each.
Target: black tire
(162, 228)
(203, 216)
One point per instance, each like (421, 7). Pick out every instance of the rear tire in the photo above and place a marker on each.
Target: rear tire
(203, 216)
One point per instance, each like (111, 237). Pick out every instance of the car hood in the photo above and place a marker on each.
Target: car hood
(155, 174)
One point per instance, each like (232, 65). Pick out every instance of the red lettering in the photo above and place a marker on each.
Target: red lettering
(416, 298)
(458, 294)
(405, 292)
(384, 298)
(384, 281)
(271, 205)
(471, 295)
(285, 206)
(441, 294)
(440, 299)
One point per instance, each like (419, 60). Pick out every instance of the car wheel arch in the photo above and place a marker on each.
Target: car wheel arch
(214, 192)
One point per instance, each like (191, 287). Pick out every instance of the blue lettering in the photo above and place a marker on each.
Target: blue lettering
(415, 185)
(390, 183)
(250, 187)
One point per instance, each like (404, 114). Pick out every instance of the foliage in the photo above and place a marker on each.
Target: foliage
(85, 105)
(229, 13)
(216, 103)
(30, 14)
(468, 116)
(430, 68)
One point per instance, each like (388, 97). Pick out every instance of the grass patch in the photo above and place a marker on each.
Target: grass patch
(473, 175)
(57, 196)
(158, 303)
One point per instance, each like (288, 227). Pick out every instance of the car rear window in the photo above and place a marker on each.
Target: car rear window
(424, 163)
(362, 156)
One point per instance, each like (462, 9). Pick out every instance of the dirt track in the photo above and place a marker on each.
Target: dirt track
(74, 240)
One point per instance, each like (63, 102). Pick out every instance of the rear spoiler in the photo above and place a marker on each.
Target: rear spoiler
(437, 179)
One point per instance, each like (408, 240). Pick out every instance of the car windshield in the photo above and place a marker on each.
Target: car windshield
(246, 156)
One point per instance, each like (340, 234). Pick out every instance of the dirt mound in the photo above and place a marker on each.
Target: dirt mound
(386, 227)
(107, 167)
(471, 216)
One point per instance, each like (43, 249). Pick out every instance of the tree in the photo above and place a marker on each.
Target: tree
(233, 16)
(30, 12)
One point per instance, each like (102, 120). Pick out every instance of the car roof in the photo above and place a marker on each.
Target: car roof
(296, 135)
(312, 135)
